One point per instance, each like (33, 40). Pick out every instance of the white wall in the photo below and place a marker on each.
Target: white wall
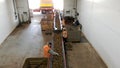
(101, 26)
(68, 6)
(7, 19)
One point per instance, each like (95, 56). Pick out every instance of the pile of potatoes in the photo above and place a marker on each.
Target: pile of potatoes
(58, 60)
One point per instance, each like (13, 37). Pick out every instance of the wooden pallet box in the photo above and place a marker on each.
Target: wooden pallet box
(74, 36)
(47, 25)
(50, 16)
(35, 63)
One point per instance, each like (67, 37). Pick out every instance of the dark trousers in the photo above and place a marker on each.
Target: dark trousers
(64, 40)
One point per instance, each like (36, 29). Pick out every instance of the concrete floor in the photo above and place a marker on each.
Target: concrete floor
(24, 42)
(83, 55)
(27, 41)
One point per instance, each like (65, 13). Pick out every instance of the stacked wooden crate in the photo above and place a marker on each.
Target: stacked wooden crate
(47, 23)
(74, 33)
(50, 17)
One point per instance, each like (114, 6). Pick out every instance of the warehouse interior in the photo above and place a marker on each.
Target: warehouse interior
(92, 43)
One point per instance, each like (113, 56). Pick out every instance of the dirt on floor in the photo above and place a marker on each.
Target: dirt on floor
(83, 55)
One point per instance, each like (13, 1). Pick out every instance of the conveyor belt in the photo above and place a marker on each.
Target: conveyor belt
(58, 61)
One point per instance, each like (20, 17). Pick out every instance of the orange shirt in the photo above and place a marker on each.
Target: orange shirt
(63, 22)
(65, 34)
(46, 49)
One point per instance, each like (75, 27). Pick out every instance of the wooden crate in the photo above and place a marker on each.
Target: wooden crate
(35, 63)
(50, 17)
(47, 25)
(74, 36)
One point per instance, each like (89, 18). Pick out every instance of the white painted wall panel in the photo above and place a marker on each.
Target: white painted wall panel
(7, 20)
(101, 26)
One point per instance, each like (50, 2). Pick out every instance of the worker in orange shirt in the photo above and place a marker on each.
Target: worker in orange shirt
(48, 51)
(63, 22)
(65, 35)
